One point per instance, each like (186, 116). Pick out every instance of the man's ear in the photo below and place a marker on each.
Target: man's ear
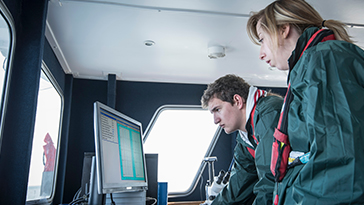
(284, 30)
(239, 101)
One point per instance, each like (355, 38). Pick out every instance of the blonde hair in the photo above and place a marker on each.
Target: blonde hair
(297, 13)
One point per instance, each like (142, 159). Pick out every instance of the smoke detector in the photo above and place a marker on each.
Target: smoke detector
(215, 52)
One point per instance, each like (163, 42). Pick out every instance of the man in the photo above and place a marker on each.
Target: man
(236, 105)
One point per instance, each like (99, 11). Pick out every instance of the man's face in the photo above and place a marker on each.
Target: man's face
(229, 117)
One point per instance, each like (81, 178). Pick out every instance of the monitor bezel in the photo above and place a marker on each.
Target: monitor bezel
(122, 187)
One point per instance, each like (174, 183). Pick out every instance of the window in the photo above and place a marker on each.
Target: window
(4, 48)
(6, 45)
(182, 136)
(45, 141)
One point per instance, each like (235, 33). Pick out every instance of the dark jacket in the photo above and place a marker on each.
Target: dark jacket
(252, 175)
(326, 118)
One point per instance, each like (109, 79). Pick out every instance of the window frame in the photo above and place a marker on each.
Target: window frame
(5, 13)
(207, 154)
(56, 86)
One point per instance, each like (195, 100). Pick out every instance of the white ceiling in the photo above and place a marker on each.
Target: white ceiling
(92, 38)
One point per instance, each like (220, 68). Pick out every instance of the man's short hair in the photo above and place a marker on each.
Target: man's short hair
(225, 88)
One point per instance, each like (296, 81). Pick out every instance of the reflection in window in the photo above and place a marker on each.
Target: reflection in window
(46, 132)
(181, 139)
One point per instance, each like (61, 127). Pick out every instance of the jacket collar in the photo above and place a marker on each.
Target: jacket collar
(301, 44)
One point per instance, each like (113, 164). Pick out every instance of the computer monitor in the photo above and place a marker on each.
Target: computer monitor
(120, 159)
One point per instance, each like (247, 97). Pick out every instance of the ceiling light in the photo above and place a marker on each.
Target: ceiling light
(149, 43)
(216, 52)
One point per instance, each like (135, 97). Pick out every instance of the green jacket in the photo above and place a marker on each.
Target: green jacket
(249, 175)
(326, 118)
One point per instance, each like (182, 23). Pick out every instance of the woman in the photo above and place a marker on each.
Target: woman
(322, 122)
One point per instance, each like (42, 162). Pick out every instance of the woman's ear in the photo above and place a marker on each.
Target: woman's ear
(284, 30)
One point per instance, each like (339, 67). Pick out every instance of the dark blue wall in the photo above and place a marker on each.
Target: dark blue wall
(81, 134)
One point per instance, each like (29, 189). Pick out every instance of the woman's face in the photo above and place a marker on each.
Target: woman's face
(271, 54)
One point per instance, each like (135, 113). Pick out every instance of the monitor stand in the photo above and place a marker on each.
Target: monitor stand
(122, 198)
(127, 198)
(86, 173)
(95, 198)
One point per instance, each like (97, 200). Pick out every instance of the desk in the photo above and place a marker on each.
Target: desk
(186, 203)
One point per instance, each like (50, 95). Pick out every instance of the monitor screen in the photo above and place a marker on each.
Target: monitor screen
(120, 158)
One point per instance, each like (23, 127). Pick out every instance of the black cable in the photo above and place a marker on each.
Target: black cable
(76, 196)
(151, 198)
(112, 200)
(77, 199)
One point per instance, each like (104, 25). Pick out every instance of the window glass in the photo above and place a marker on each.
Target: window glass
(4, 48)
(45, 141)
(5, 45)
(181, 137)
